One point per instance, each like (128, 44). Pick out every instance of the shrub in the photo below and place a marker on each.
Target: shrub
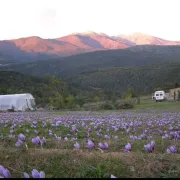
(125, 105)
(10, 110)
(107, 106)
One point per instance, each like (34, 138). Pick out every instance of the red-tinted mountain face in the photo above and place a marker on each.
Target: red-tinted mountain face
(94, 41)
(47, 46)
(76, 43)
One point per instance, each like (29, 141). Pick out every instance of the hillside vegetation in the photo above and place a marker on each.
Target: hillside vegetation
(96, 76)
(143, 79)
(70, 66)
(51, 92)
(40, 88)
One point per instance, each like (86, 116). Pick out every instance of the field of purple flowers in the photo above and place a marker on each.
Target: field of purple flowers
(124, 144)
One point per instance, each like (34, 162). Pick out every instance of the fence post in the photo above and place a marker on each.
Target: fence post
(174, 95)
(178, 95)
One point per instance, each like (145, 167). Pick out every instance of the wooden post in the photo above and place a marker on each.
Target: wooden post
(178, 95)
(174, 95)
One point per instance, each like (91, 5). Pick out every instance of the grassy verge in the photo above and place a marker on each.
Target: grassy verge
(148, 104)
(58, 163)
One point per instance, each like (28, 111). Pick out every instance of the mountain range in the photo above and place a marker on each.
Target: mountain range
(36, 48)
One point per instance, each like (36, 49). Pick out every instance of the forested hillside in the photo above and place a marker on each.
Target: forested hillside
(70, 66)
(143, 79)
(40, 88)
(98, 74)
(51, 91)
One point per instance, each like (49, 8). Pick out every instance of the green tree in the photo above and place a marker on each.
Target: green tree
(59, 101)
(51, 102)
(96, 99)
(80, 100)
(131, 93)
(70, 100)
(176, 85)
(158, 89)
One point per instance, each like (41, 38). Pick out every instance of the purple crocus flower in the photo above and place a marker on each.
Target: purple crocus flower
(127, 147)
(89, 129)
(149, 137)
(103, 146)
(133, 137)
(22, 137)
(153, 145)
(106, 137)
(74, 130)
(90, 144)
(34, 122)
(150, 147)
(106, 146)
(19, 143)
(37, 174)
(36, 140)
(21, 140)
(76, 145)
(112, 176)
(43, 141)
(172, 135)
(26, 175)
(172, 149)
(166, 136)
(73, 139)
(51, 133)
(4, 173)
(145, 131)
(58, 138)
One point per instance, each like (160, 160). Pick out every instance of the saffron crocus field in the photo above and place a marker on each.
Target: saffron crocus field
(84, 144)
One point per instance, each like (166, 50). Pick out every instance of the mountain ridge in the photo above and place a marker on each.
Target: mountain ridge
(36, 48)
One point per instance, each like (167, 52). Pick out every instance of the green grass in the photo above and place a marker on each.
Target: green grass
(58, 163)
(148, 104)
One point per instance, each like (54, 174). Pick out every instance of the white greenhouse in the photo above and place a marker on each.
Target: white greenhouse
(17, 102)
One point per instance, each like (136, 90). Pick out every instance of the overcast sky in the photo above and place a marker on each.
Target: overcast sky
(56, 18)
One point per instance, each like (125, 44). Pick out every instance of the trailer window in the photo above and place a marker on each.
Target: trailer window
(157, 94)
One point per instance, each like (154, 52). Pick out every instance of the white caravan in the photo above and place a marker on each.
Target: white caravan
(159, 96)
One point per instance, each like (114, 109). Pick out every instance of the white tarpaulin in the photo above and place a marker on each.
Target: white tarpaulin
(18, 102)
